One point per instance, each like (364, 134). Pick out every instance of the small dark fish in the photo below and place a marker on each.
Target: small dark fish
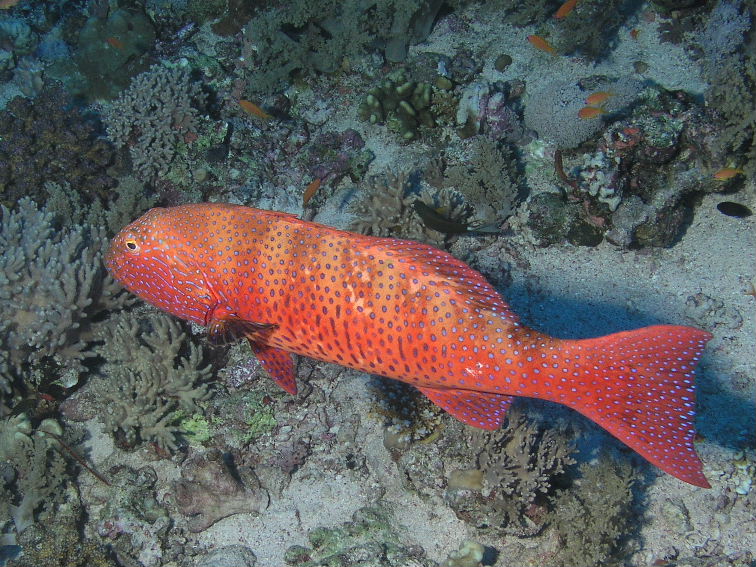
(734, 209)
(435, 220)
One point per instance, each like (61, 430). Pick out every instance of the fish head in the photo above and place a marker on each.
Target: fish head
(154, 259)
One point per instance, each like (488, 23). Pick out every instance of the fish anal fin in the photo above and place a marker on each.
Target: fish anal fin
(227, 330)
(478, 409)
(278, 363)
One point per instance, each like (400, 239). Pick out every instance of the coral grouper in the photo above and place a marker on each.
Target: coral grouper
(406, 311)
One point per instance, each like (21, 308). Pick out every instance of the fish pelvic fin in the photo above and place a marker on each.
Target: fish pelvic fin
(639, 386)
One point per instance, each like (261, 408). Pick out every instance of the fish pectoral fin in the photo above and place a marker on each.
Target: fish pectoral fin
(227, 330)
(278, 363)
(479, 409)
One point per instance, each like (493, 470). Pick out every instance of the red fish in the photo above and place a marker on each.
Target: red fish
(541, 43)
(407, 311)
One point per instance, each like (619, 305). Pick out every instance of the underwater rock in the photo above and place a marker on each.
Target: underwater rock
(212, 487)
(132, 521)
(368, 540)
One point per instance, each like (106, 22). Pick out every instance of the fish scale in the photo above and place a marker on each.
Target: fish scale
(406, 311)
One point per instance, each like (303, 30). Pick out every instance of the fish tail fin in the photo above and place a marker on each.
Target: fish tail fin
(639, 386)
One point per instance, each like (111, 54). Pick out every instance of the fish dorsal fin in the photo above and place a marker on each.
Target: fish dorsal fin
(482, 410)
(468, 283)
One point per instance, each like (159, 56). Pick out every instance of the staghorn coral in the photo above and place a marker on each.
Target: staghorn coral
(53, 289)
(50, 140)
(156, 114)
(152, 369)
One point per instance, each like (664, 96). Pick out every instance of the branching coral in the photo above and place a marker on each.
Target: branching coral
(153, 116)
(592, 515)
(33, 472)
(516, 465)
(318, 35)
(386, 208)
(152, 370)
(53, 287)
(486, 177)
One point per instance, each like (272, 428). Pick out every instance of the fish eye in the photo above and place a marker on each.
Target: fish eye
(131, 245)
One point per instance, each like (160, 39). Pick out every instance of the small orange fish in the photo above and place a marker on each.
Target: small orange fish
(310, 191)
(115, 42)
(407, 311)
(540, 43)
(597, 98)
(727, 173)
(565, 9)
(588, 112)
(634, 33)
(254, 110)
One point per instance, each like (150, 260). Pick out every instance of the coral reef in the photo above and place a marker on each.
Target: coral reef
(368, 540)
(54, 289)
(478, 189)
(588, 29)
(110, 50)
(132, 521)
(34, 473)
(516, 468)
(50, 140)
(591, 516)
(152, 369)
(635, 184)
(729, 64)
(319, 35)
(156, 114)
(212, 487)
